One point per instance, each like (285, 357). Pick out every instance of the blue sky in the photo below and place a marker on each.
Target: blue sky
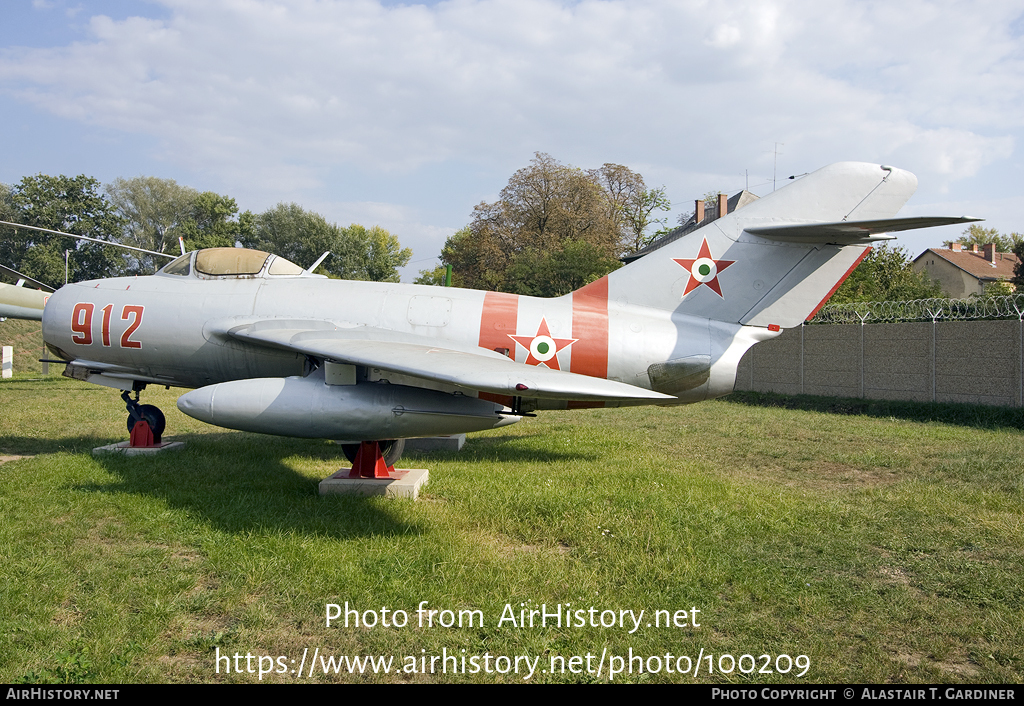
(407, 115)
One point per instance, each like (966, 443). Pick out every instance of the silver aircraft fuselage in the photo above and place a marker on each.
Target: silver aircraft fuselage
(173, 331)
(273, 348)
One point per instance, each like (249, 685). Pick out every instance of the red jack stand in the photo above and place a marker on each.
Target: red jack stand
(142, 436)
(369, 462)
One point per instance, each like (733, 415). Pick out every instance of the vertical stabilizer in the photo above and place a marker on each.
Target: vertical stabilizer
(725, 273)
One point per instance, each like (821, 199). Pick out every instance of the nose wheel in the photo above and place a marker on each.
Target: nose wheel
(145, 421)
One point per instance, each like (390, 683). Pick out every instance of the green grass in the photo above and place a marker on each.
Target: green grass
(884, 547)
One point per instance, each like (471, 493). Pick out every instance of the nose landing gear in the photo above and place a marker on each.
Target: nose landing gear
(145, 422)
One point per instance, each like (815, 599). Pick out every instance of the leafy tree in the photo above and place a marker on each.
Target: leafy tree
(477, 259)
(302, 236)
(435, 276)
(975, 234)
(210, 222)
(550, 217)
(630, 204)
(153, 210)
(377, 254)
(159, 211)
(1018, 268)
(547, 203)
(886, 274)
(8, 211)
(292, 232)
(70, 204)
(550, 274)
(1000, 288)
(639, 216)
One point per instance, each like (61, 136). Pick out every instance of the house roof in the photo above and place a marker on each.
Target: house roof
(975, 263)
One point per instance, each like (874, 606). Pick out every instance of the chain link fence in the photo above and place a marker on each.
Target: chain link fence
(970, 309)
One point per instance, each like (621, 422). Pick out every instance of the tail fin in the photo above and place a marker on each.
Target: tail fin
(778, 259)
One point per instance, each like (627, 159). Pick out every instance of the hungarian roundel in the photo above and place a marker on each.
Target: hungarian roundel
(543, 348)
(704, 270)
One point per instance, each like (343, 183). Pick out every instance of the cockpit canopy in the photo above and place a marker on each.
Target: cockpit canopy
(237, 263)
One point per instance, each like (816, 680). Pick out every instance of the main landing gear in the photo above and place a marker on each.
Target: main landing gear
(145, 421)
(373, 459)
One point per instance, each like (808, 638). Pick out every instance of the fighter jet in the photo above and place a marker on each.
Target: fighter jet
(270, 347)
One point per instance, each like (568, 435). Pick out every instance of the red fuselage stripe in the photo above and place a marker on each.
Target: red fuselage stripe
(590, 326)
(499, 319)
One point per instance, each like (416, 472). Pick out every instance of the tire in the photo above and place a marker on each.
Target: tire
(391, 450)
(153, 416)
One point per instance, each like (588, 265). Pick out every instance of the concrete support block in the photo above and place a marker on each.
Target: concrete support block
(403, 483)
(451, 443)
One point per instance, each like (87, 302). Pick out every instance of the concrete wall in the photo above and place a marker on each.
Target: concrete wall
(978, 362)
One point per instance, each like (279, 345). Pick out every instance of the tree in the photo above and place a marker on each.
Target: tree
(159, 211)
(377, 255)
(638, 218)
(886, 274)
(70, 204)
(630, 204)
(999, 288)
(543, 274)
(477, 258)
(210, 222)
(435, 276)
(292, 232)
(302, 236)
(553, 228)
(547, 203)
(977, 235)
(153, 210)
(1018, 268)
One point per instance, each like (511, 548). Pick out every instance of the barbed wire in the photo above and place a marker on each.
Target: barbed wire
(972, 308)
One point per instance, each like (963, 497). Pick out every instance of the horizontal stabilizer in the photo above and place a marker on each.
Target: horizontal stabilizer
(422, 357)
(851, 232)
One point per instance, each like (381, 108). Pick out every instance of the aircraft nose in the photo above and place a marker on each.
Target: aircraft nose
(57, 315)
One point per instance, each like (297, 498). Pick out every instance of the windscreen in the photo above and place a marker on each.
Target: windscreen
(179, 267)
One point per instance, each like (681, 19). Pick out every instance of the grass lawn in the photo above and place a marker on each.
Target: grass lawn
(885, 544)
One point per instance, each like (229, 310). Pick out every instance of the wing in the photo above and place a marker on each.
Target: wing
(851, 232)
(471, 367)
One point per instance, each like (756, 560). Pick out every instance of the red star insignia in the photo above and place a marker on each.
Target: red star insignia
(543, 348)
(703, 269)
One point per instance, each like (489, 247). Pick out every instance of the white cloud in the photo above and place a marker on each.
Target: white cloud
(276, 96)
